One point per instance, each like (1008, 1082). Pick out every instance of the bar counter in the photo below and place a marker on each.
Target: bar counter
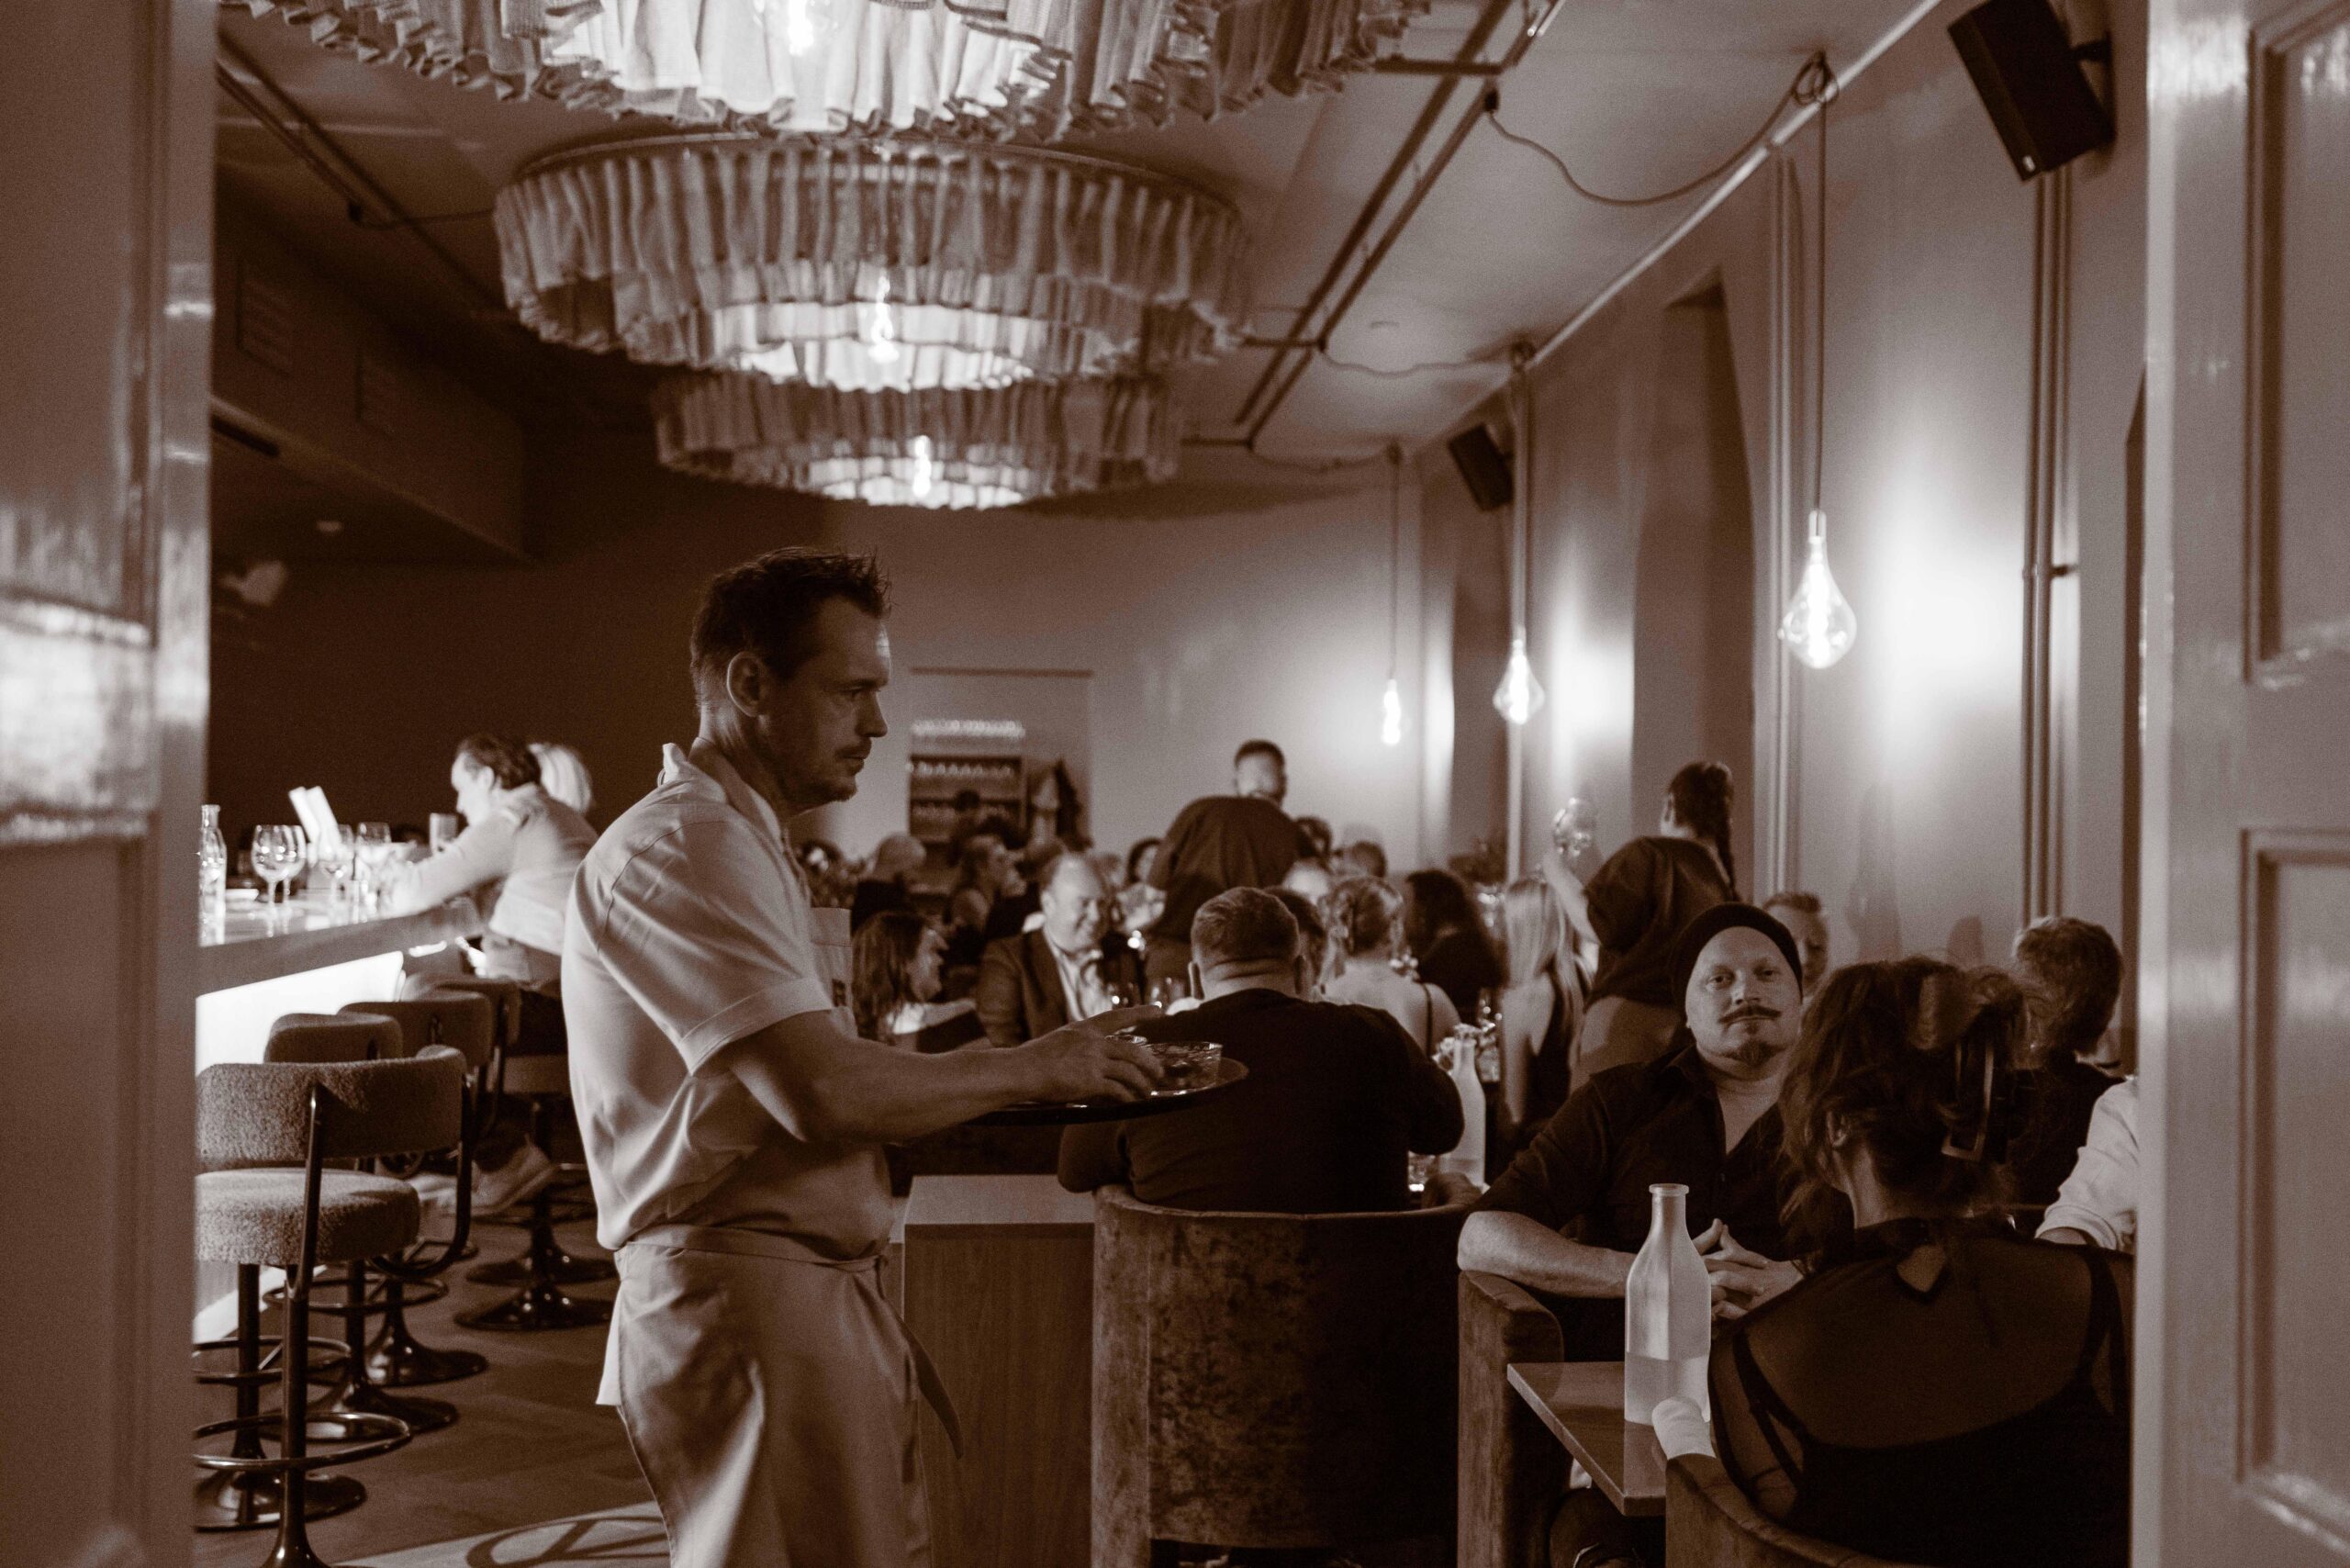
(305, 957)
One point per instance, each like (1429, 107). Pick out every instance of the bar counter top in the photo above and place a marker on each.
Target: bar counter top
(259, 944)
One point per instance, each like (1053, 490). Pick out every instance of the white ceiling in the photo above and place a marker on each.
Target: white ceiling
(1636, 95)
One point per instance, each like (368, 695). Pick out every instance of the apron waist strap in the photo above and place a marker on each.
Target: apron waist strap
(763, 1244)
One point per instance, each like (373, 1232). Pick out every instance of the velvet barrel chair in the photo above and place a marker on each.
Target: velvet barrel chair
(1271, 1380)
(1708, 1523)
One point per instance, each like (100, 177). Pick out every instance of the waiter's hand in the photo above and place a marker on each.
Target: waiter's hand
(1087, 1061)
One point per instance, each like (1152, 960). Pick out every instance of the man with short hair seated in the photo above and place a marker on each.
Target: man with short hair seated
(1033, 983)
(1334, 1097)
(1569, 1215)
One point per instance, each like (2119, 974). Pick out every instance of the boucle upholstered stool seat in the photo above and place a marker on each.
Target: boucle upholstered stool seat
(541, 1303)
(239, 1500)
(1271, 1380)
(266, 1132)
(467, 1025)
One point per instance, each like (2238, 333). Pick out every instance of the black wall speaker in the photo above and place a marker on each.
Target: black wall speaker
(1483, 467)
(2028, 76)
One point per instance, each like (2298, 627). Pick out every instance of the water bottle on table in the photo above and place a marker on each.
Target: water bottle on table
(1668, 1312)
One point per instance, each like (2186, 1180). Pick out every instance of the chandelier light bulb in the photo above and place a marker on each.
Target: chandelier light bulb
(1519, 696)
(1819, 625)
(925, 471)
(1391, 714)
(800, 26)
(881, 341)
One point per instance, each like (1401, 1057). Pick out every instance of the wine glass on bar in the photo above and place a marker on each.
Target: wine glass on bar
(277, 855)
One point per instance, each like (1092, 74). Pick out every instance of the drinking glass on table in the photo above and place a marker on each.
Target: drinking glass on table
(443, 830)
(339, 861)
(375, 851)
(277, 855)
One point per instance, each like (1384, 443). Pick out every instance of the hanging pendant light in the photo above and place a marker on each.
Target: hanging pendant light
(1391, 700)
(1519, 696)
(1819, 627)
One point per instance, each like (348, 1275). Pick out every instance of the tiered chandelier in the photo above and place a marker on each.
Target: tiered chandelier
(1031, 68)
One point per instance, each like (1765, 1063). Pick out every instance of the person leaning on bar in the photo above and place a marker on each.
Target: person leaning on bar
(734, 1122)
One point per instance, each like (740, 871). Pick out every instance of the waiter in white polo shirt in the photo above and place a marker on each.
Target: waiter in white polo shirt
(733, 1121)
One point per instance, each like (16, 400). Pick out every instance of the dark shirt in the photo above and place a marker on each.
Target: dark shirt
(1334, 1097)
(1463, 966)
(1640, 900)
(1218, 843)
(1586, 1176)
(2062, 1096)
(875, 896)
(1971, 1418)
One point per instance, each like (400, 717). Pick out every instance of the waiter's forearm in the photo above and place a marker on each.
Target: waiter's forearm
(825, 1086)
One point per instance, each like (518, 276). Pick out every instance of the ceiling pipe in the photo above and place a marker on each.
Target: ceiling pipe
(1398, 67)
(1283, 372)
(310, 142)
(1397, 167)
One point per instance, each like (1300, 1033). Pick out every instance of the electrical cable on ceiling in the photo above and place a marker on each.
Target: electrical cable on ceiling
(1474, 361)
(1815, 82)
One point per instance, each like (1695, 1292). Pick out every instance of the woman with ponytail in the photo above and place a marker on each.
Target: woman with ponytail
(1635, 907)
(1939, 1391)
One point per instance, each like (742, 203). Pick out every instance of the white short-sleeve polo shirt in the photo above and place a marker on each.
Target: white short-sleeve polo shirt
(690, 928)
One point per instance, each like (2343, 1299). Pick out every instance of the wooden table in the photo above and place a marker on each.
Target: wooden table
(1582, 1404)
(997, 1283)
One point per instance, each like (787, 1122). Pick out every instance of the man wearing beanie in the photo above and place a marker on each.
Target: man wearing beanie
(1568, 1214)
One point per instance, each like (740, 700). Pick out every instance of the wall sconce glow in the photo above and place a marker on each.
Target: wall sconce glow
(881, 342)
(1519, 696)
(925, 471)
(1391, 714)
(1819, 625)
(799, 26)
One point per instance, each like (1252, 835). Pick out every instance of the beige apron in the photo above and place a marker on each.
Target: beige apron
(768, 1391)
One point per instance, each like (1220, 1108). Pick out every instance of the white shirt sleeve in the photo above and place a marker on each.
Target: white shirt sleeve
(2099, 1199)
(702, 934)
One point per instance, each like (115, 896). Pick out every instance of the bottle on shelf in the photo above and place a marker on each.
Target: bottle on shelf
(212, 868)
(1668, 1312)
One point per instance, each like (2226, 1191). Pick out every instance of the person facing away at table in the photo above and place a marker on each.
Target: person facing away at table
(1541, 1004)
(2071, 971)
(1218, 843)
(732, 1119)
(1570, 1211)
(1446, 938)
(516, 855)
(1312, 940)
(1633, 910)
(887, 878)
(1939, 1391)
(1033, 983)
(1367, 920)
(1801, 915)
(1335, 1098)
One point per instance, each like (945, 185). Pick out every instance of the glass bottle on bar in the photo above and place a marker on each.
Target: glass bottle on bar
(212, 871)
(1668, 1312)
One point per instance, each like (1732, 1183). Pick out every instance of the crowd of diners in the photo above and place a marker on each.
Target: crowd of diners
(1912, 1183)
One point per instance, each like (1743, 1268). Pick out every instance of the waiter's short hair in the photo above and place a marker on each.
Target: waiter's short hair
(767, 606)
(511, 761)
(1260, 748)
(1247, 925)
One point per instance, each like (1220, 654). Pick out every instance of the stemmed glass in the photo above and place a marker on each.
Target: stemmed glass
(375, 851)
(277, 855)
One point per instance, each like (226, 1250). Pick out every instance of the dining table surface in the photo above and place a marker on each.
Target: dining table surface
(1582, 1404)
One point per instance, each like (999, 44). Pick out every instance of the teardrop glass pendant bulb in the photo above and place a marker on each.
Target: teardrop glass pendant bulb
(1391, 714)
(1819, 625)
(1519, 696)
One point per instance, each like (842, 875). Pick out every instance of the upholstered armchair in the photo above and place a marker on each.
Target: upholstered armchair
(1708, 1523)
(1271, 1380)
(1512, 1470)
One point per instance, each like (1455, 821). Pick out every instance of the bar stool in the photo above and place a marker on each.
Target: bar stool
(541, 1303)
(248, 1499)
(451, 1020)
(266, 1199)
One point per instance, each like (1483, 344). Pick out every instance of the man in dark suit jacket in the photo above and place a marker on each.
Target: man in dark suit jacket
(1032, 983)
(1334, 1097)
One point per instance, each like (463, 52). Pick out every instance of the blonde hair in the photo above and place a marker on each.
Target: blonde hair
(562, 775)
(1534, 924)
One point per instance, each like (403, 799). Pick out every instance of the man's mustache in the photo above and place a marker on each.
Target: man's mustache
(1748, 1009)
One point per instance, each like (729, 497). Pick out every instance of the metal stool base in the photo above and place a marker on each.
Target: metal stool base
(536, 1309)
(359, 1403)
(250, 1502)
(563, 1268)
(405, 1363)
